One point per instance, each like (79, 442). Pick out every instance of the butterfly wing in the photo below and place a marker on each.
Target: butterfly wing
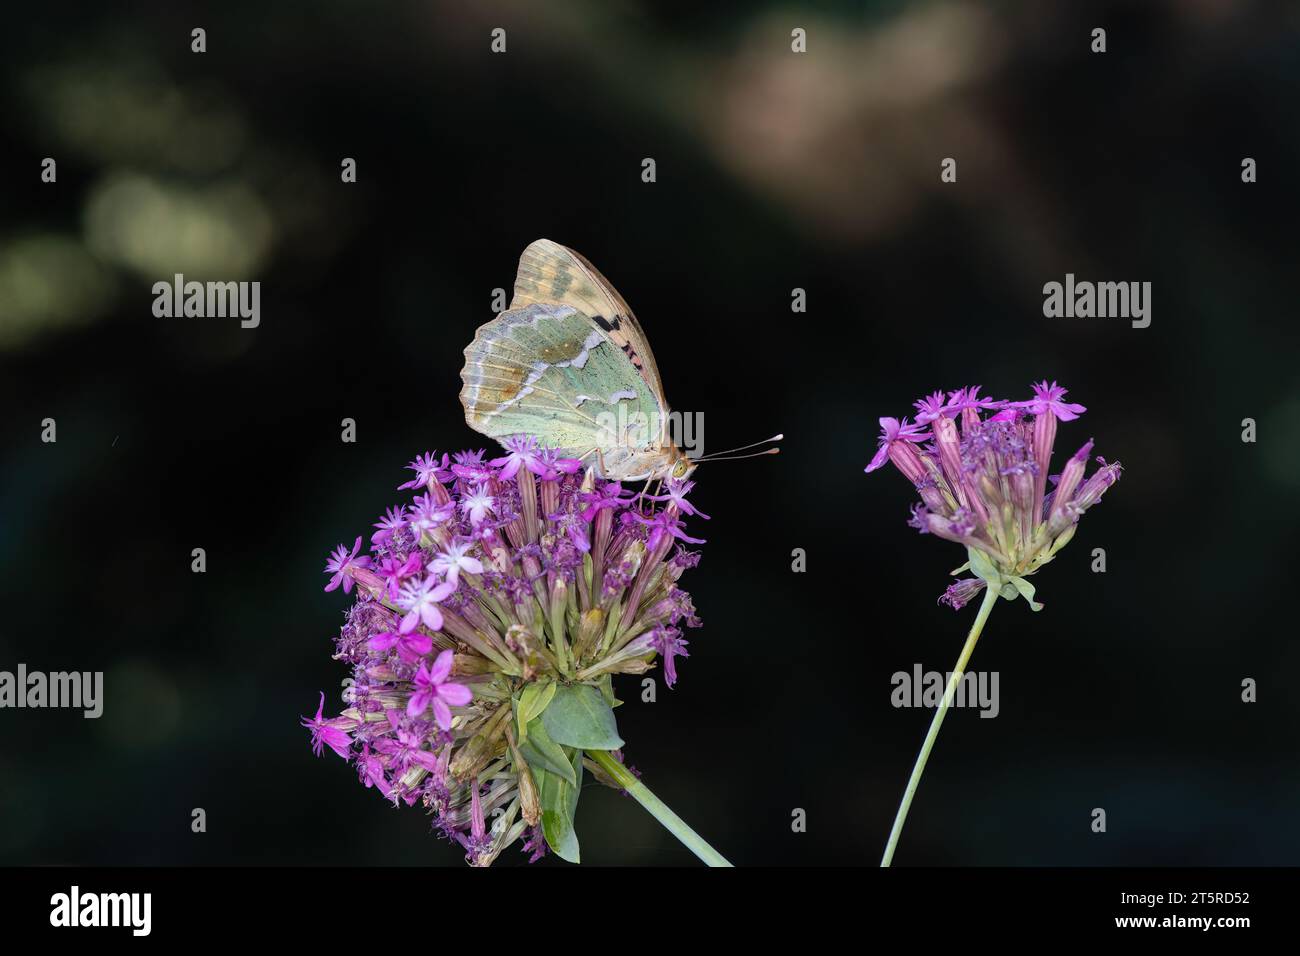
(569, 363)
(552, 371)
(550, 272)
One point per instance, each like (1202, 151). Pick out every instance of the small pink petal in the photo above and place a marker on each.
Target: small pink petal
(458, 695)
(418, 703)
(420, 643)
(382, 642)
(882, 455)
(442, 713)
(441, 667)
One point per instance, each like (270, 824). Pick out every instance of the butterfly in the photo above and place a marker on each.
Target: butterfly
(569, 364)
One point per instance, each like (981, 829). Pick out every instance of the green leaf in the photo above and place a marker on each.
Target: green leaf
(541, 751)
(1063, 539)
(559, 804)
(982, 567)
(580, 717)
(1026, 591)
(606, 685)
(531, 702)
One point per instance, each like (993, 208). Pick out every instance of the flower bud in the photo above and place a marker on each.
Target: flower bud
(530, 801)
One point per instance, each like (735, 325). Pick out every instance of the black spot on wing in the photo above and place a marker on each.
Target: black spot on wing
(614, 325)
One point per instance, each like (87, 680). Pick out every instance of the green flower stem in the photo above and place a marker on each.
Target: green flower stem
(991, 595)
(657, 808)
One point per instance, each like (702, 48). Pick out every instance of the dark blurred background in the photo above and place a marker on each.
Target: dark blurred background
(775, 170)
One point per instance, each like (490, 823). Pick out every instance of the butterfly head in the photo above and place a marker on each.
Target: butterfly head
(682, 466)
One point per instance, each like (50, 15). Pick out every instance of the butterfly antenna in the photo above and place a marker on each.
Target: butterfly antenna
(716, 456)
(756, 454)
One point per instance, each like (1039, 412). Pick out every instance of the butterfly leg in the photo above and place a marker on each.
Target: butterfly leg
(644, 491)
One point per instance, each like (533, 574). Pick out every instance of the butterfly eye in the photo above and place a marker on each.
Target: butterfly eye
(679, 469)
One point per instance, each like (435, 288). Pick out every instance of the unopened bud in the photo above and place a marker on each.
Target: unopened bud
(530, 801)
(471, 758)
(480, 749)
(589, 631)
(468, 664)
(635, 555)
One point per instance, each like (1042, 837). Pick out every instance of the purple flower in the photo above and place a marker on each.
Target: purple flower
(433, 689)
(664, 524)
(453, 560)
(670, 645)
(370, 768)
(428, 514)
(1047, 398)
(510, 572)
(343, 566)
(419, 599)
(405, 747)
(572, 524)
(329, 732)
(477, 505)
(677, 492)
(894, 433)
(960, 592)
(393, 520)
(929, 408)
(610, 495)
(428, 469)
(535, 845)
(551, 467)
(410, 647)
(476, 843)
(470, 467)
(968, 399)
(982, 482)
(522, 453)
(469, 459)
(394, 571)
